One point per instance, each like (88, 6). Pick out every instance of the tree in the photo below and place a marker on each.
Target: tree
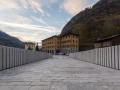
(37, 48)
(29, 48)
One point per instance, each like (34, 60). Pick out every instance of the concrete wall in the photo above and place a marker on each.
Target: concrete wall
(13, 57)
(108, 56)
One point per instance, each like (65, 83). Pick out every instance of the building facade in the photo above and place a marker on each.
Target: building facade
(29, 46)
(106, 42)
(61, 44)
(69, 43)
(51, 45)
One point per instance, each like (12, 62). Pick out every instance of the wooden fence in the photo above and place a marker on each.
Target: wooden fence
(108, 56)
(13, 57)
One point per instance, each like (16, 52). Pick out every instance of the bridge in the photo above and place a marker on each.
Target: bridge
(60, 73)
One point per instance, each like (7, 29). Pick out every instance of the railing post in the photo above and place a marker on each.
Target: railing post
(116, 57)
(1, 59)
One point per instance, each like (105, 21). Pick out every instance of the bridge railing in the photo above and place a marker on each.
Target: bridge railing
(108, 56)
(12, 57)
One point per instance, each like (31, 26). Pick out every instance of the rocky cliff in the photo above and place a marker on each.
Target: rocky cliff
(100, 20)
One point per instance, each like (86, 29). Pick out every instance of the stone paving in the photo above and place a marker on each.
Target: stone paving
(60, 73)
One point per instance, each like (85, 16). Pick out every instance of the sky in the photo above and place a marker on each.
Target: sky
(35, 20)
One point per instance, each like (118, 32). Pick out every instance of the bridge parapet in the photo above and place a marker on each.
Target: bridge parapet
(108, 56)
(12, 57)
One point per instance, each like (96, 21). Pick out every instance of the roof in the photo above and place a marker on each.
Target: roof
(69, 34)
(107, 38)
(50, 37)
(29, 43)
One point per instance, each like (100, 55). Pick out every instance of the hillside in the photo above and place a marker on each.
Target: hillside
(99, 21)
(10, 41)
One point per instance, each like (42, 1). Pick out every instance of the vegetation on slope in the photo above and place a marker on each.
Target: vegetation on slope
(10, 41)
(101, 20)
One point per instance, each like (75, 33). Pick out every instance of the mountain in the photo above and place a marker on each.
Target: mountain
(10, 41)
(40, 47)
(99, 21)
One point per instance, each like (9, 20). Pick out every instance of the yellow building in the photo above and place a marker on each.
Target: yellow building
(69, 43)
(51, 45)
(61, 44)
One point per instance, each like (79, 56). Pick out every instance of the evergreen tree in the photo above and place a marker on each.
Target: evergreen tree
(37, 48)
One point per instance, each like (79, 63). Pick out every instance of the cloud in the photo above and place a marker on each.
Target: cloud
(39, 20)
(34, 33)
(15, 19)
(47, 2)
(48, 15)
(24, 36)
(73, 7)
(9, 4)
(24, 3)
(49, 6)
(40, 34)
(68, 19)
(36, 6)
(31, 27)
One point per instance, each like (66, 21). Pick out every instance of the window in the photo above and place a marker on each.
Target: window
(99, 44)
(104, 44)
(73, 40)
(96, 45)
(108, 43)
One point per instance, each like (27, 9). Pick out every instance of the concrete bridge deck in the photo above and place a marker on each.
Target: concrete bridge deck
(60, 73)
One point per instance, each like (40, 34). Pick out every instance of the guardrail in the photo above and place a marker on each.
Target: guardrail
(13, 57)
(108, 56)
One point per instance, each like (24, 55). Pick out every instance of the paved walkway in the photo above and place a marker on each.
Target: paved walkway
(60, 73)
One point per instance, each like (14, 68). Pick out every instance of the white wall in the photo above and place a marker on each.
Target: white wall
(108, 56)
(13, 57)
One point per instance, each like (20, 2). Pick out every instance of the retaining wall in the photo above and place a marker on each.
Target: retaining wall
(108, 56)
(13, 57)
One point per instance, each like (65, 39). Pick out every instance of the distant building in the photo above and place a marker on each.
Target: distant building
(29, 46)
(51, 45)
(2, 44)
(109, 41)
(65, 44)
(69, 43)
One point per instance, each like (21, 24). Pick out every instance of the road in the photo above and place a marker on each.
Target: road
(60, 73)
